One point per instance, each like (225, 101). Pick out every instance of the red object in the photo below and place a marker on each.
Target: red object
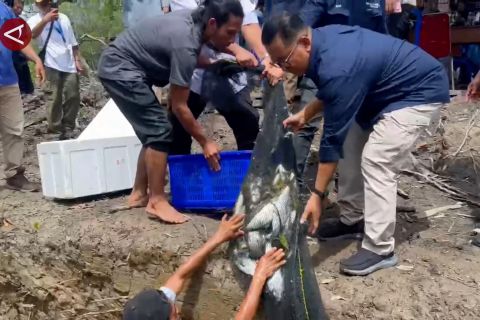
(15, 34)
(435, 35)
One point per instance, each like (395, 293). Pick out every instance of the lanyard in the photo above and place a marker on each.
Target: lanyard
(58, 28)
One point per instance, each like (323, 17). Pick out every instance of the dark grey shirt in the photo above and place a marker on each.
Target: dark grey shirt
(160, 50)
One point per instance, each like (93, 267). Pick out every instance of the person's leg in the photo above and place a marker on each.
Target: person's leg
(182, 140)
(290, 86)
(243, 118)
(150, 120)
(350, 190)
(384, 155)
(302, 141)
(54, 109)
(139, 196)
(71, 105)
(11, 131)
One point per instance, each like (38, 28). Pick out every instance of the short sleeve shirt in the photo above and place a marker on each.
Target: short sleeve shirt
(8, 76)
(361, 75)
(59, 55)
(160, 50)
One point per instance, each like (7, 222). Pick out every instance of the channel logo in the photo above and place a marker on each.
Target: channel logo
(15, 34)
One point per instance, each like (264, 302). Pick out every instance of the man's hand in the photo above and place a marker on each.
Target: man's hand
(273, 73)
(230, 229)
(391, 6)
(269, 264)
(295, 122)
(40, 72)
(245, 58)
(212, 153)
(312, 213)
(166, 9)
(51, 16)
(473, 91)
(80, 68)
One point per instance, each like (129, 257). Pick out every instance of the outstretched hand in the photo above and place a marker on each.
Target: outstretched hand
(270, 263)
(230, 229)
(295, 122)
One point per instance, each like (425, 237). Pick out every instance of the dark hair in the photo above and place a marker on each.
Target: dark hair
(220, 10)
(288, 27)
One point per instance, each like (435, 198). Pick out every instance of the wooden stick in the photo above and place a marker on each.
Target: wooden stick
(471, 123)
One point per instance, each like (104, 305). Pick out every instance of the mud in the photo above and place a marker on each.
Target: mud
(74, 260)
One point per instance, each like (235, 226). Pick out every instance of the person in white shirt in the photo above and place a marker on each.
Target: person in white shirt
(62, 62)
(239, 113)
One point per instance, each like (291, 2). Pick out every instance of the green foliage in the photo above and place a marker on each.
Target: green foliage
(100, 19)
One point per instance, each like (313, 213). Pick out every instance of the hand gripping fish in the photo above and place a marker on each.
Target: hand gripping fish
(269, 198)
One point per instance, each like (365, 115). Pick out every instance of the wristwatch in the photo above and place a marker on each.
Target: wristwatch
(319, 193)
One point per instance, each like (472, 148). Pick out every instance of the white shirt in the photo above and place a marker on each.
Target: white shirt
(59, 55)
(250, 18)
(184, 4)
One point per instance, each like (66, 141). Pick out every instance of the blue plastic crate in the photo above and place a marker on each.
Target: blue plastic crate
(195, 187)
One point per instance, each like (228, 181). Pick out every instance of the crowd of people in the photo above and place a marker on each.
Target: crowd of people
(376, 95)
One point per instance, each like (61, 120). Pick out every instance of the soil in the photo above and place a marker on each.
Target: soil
(75, 260)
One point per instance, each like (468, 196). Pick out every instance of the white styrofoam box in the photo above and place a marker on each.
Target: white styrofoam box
(108, 123)
(79, 168)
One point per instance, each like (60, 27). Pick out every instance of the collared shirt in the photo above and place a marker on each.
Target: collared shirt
(158, 50)
(360, 75)
(8, 76)
(59, 55)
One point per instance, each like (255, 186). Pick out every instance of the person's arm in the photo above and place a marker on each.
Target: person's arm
(244, 57)
(39, 69)
(49, 17)
(266, 267)
(473, 90)
(343, 98)
(253, 36)
(179, 98)
(229, 229)
(182, 64)
(78, 60)
(298, 120)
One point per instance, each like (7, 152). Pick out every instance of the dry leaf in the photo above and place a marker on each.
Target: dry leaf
(327, 281)
(337, 298)
(7, 225)
(405, 268)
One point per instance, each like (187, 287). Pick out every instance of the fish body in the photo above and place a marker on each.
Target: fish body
(270, 200)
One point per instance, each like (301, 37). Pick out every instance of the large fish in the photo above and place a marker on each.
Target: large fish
(270, 200)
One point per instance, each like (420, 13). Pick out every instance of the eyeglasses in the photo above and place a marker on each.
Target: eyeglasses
(286, 61)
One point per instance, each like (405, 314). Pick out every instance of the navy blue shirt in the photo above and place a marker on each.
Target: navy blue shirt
(368, 14)
(361, 75)
(8, 76)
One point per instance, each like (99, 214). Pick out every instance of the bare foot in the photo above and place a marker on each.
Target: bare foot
(137, 200)
(162, 210)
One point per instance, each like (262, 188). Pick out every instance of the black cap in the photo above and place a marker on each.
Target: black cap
(148, 305)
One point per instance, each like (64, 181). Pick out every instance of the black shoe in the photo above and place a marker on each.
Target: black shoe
(333, 229)
(365, 262)
(20, 183)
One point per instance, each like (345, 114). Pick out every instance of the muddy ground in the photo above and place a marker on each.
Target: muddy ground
(75, 260)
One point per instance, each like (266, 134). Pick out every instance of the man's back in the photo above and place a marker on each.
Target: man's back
(145, 51)
(392, 73)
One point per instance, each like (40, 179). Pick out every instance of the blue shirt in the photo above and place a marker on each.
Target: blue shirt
(368, 14)
(360, 75)
(8, 76)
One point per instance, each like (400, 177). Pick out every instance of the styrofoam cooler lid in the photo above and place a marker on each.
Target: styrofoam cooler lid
(109, 123)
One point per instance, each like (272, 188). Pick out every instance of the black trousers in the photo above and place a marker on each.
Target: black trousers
(240, 115)
(20, 63)
(138, 103)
